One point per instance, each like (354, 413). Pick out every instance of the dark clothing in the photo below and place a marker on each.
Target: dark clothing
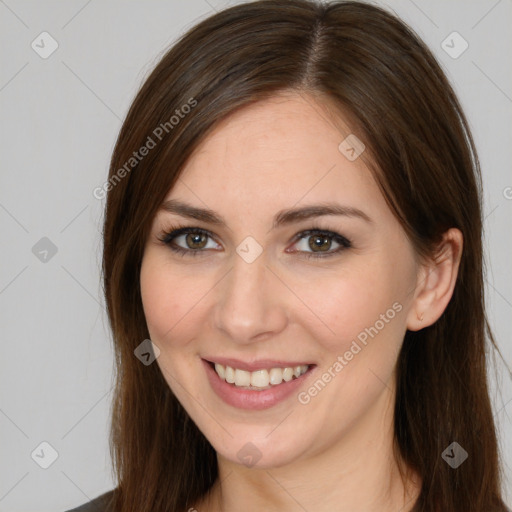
(99, 504)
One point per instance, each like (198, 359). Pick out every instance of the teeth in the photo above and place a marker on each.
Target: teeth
(275, 376)
(220, 370)
(260, 379)
(288, 374)
(242, 378)
(230, 375)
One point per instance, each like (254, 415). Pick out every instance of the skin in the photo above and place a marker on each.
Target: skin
(335, 452)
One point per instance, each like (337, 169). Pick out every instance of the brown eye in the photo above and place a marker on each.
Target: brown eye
(319, 242)
(322, 243)
(196, 240)
(188, 240)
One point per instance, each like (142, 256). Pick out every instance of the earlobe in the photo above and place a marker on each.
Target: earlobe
(436, 282)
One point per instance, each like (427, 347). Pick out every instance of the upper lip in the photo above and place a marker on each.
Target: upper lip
(260, 364)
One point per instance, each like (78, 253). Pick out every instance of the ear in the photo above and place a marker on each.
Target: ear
(436, 281)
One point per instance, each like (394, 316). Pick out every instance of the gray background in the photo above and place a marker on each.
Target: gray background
(60, 117)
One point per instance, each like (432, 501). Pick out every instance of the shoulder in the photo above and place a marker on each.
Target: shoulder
(100, 504)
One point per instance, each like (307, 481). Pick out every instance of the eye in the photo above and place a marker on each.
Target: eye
(320, 242)
(194, 239)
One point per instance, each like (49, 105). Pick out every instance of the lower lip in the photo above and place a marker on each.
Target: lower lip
(249, 399)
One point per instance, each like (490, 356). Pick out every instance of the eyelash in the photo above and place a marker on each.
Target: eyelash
(167, 236)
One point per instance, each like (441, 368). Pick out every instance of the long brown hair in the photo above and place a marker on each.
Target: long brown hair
(363, 62)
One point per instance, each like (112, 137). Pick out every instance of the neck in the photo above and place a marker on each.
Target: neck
(358, 473)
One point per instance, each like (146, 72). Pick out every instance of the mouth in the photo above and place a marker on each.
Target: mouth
(257, 385)
(260, 379)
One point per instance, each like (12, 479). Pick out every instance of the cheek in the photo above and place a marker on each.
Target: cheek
(351, 304)
(171, 307)
(367, 316)
(169, 300)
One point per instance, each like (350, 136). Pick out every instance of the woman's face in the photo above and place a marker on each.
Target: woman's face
(259, 294)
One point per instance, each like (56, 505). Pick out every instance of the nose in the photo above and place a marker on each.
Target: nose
(251, 302)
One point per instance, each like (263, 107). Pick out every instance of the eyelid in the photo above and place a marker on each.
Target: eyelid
(168, 235)
(172, 232)
(343, 242)
(338, 237)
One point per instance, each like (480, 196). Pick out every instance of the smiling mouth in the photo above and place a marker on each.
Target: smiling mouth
(259, 380)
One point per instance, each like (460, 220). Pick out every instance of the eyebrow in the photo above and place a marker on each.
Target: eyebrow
(282, 218)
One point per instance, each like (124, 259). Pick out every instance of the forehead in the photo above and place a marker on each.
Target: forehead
(283, 149)
(281, 130)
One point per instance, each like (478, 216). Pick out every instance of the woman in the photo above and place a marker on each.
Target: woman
(294, 220)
